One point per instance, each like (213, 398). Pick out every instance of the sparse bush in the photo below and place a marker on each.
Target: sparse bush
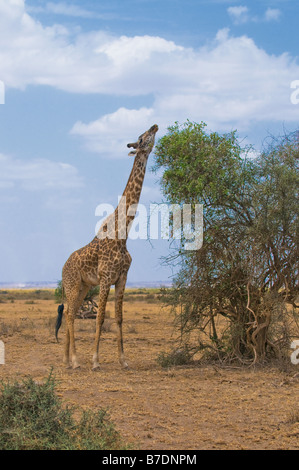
(32, 418)
(176, 357)
(8, 329)
(294, 416)
(107, 325)
(58, 292)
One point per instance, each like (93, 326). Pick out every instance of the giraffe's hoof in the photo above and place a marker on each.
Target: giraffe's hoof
(66, 362)
(125, 366)
(96, 367)
(76, 366)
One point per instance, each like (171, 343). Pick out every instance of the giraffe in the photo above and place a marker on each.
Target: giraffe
(105, 261)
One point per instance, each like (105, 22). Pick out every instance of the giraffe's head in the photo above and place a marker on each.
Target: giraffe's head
(145, 141)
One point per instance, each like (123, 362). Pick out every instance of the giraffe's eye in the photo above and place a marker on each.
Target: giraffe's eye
(140, 141)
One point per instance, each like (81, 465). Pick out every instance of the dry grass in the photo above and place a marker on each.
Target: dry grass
(189, 406)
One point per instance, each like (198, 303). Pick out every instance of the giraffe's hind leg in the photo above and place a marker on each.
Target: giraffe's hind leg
(75, 297)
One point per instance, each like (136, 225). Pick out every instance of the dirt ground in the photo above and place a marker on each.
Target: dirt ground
(182, 408)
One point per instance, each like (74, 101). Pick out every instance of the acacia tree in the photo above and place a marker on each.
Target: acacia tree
(233, 291)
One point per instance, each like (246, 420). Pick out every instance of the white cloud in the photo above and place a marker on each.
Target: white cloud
(239, 14)
(37, 174)
(66, 9)
(110, 134)
(228, 83)
(272, 14)
(94, 62)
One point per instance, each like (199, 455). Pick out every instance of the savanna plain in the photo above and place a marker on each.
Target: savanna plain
(187, 407)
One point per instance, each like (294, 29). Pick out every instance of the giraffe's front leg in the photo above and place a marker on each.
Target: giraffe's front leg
(119, 295)
(103, 296)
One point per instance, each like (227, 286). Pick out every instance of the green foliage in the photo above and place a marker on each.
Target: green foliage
(201, 166)
(248, 264)
(32, 418)
(58, 292)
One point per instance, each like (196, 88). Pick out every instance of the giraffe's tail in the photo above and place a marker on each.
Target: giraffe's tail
(58, 320)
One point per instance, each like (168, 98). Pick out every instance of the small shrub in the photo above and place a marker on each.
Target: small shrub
(107, 325)
(177, 357)
(8, 329)
(131, 329)
(294, 416)
(96, 431)
(32, 418)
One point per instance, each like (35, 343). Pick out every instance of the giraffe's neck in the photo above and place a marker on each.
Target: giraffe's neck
(126, 209)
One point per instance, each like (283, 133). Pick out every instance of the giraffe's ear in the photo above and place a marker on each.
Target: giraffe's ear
(133, 152)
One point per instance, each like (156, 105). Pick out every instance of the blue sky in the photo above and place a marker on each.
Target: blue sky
(84, 78)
